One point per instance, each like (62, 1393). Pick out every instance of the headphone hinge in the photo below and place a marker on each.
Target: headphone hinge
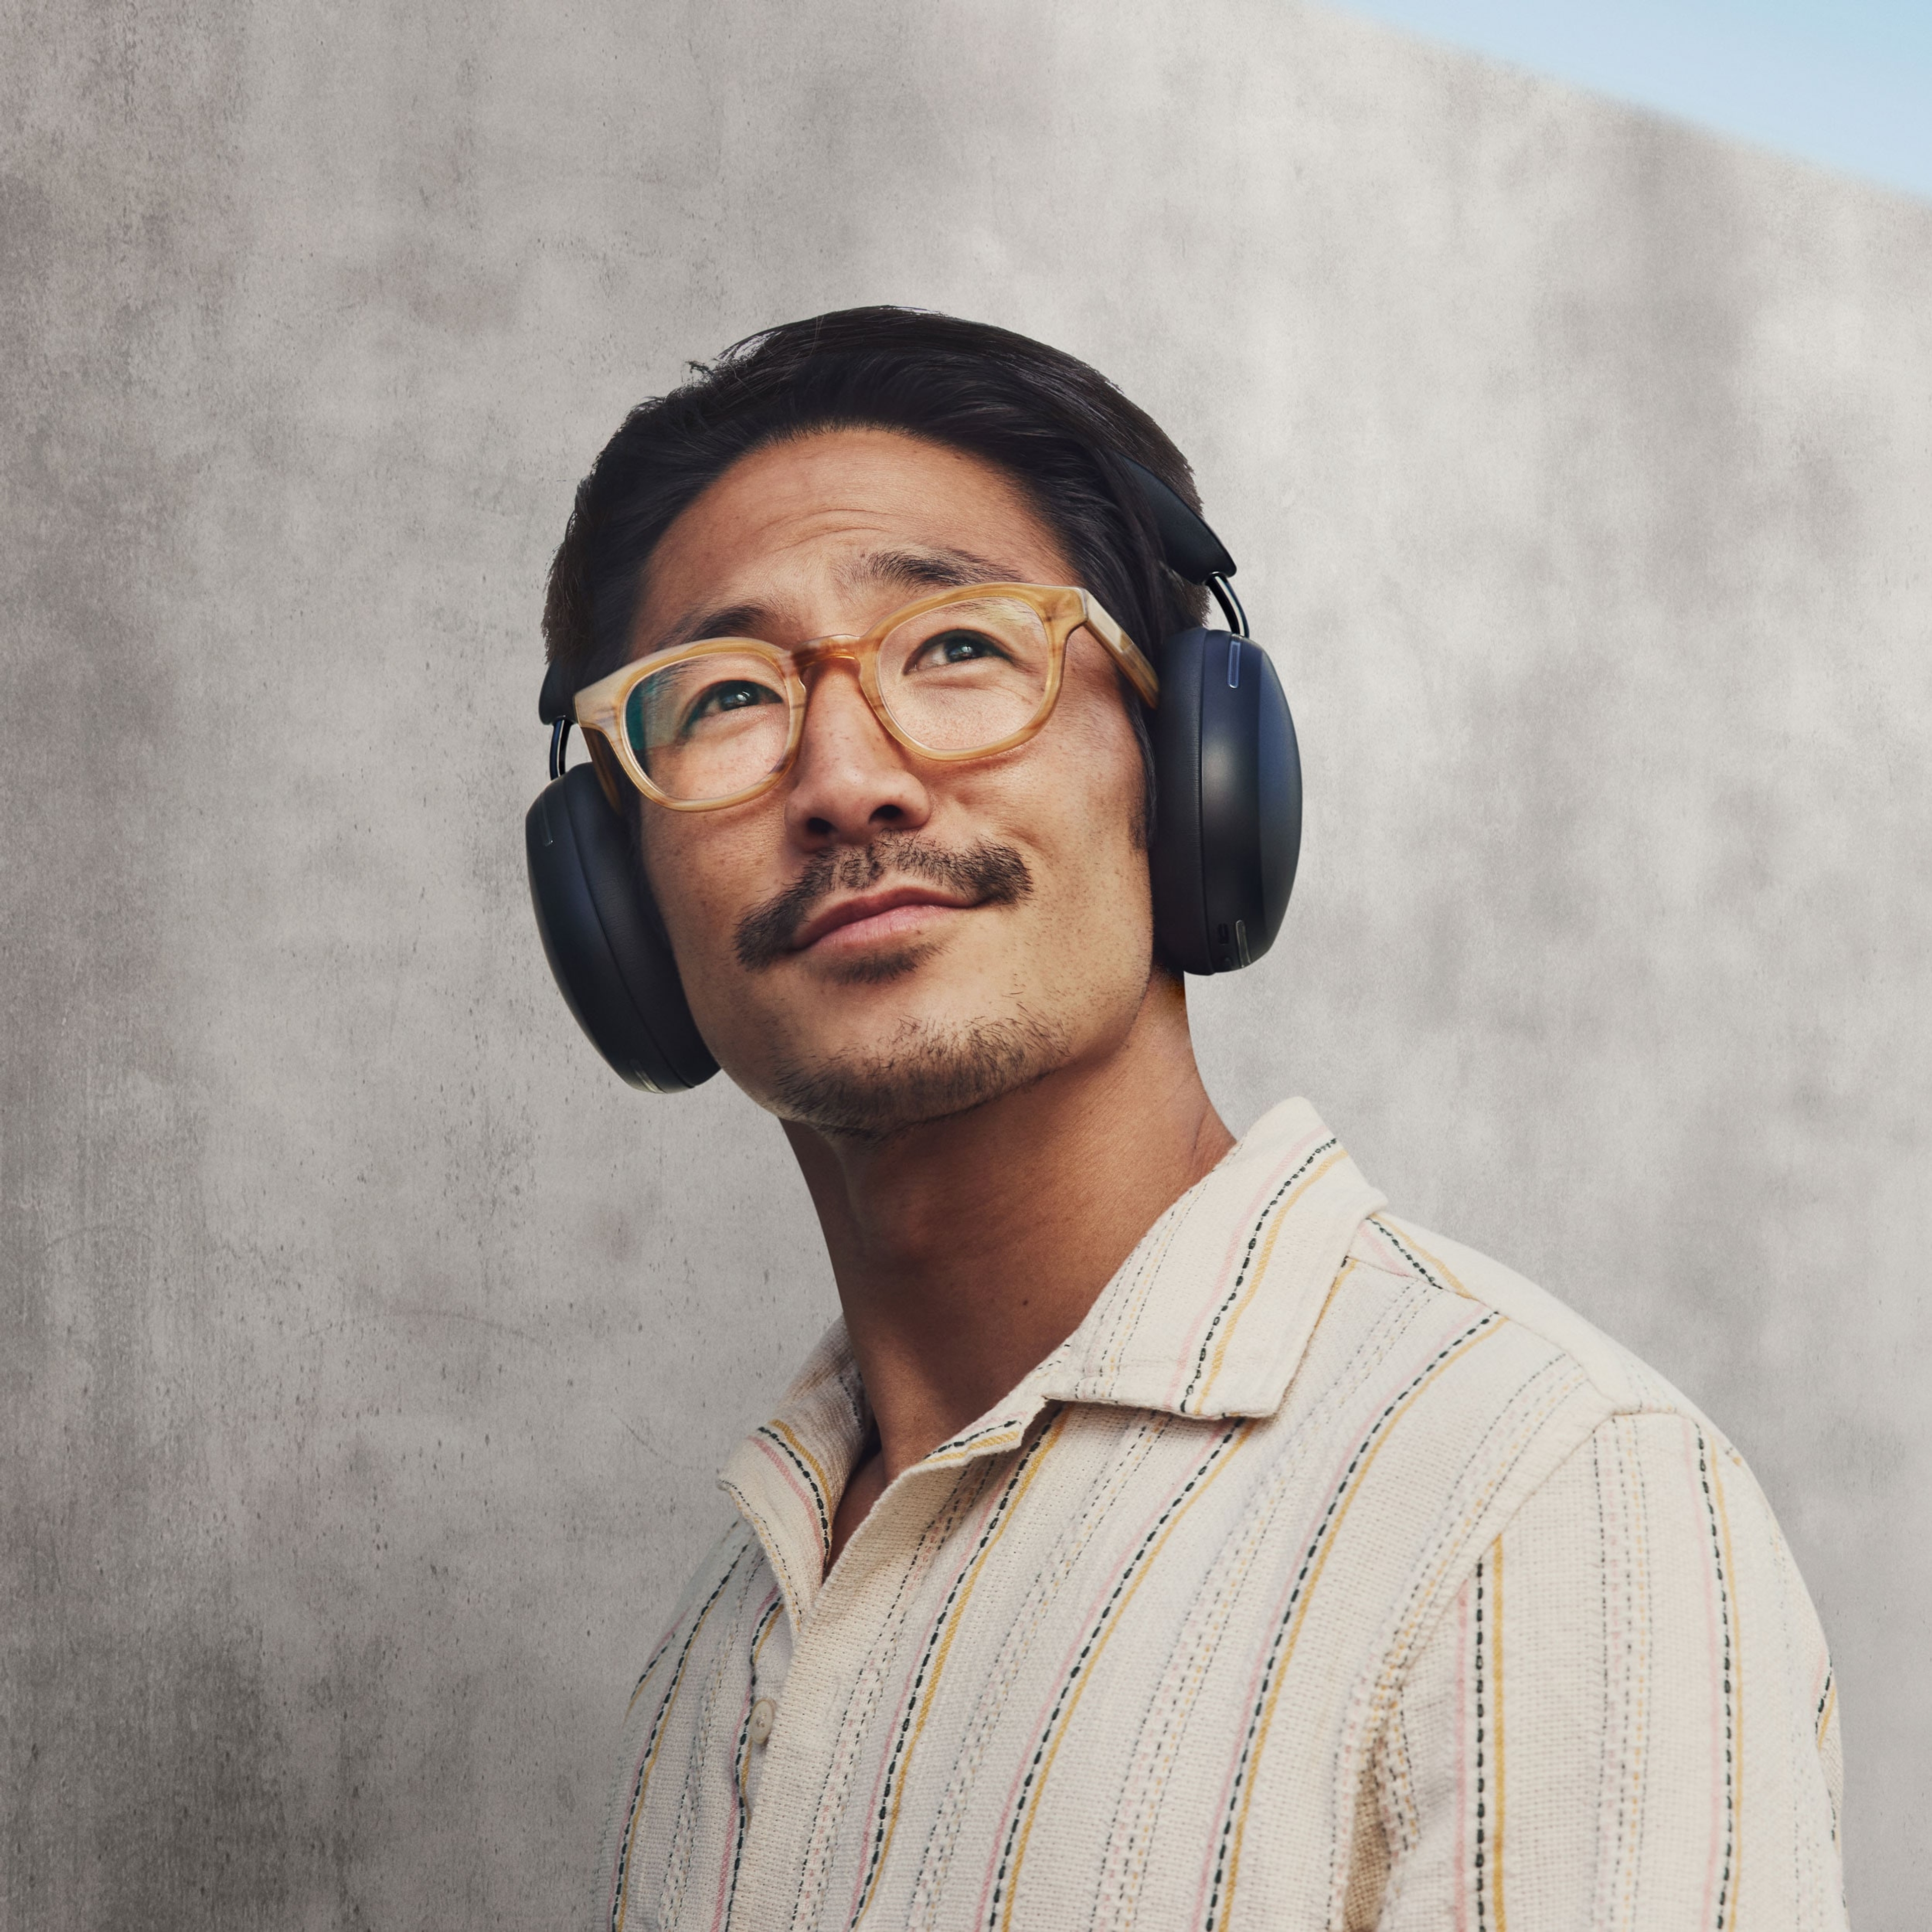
(1231, 605)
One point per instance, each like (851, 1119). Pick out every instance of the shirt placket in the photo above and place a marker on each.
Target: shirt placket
(826, 1677)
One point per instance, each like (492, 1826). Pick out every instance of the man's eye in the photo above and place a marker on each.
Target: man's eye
(736, 694)
(954, 647)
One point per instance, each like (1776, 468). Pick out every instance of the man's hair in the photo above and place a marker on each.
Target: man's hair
(1057, 427)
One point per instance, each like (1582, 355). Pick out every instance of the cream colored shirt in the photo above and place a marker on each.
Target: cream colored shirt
(1328, 1575)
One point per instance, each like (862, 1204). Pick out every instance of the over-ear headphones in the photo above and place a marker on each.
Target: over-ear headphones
(1227, 832)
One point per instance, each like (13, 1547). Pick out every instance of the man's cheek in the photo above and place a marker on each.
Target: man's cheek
(687, 901)
(723, 981)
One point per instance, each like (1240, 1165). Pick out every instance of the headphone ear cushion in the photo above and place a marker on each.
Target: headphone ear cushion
(1228, 802)
(604, 941)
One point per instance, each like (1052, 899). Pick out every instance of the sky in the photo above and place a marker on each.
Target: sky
(1848, 85)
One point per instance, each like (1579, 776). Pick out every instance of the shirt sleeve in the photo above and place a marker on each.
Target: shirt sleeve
(1626, 1718)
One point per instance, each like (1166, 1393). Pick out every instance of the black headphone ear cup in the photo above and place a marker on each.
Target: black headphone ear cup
(604, 941)
(1228, 802)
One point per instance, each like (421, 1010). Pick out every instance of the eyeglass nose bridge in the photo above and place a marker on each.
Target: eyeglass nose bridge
(814, 651)
(862, 654)
(814, 654)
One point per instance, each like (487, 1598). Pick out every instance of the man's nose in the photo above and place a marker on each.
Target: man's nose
(851, 780)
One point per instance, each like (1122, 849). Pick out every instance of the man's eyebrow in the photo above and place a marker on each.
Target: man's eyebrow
(935, 568)
(727, 620)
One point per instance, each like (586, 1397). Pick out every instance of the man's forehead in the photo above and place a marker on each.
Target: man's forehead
(871, 577)
(841, 518)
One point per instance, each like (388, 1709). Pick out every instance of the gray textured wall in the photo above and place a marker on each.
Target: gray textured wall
(366, 1350)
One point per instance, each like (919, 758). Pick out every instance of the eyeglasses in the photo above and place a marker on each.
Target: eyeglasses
(961, 674)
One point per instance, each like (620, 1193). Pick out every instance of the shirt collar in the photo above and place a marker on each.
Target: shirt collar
(1209, 1316)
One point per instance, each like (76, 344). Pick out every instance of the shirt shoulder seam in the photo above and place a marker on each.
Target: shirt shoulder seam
(1627, 1384)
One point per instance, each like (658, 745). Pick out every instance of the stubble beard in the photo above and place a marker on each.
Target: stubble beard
(928, 1071)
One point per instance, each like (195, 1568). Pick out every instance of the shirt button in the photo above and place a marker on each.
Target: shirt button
(762, 1713)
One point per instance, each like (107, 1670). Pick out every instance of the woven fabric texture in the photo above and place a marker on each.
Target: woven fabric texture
(1328, 1575)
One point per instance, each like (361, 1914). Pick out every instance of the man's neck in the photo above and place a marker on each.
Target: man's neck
(967, 1250)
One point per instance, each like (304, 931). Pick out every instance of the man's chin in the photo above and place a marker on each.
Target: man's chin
(927, 1070)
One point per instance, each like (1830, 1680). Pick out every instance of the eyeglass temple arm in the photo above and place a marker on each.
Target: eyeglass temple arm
(1140, 673)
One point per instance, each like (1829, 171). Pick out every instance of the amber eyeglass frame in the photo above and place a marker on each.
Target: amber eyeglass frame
(1061, 609)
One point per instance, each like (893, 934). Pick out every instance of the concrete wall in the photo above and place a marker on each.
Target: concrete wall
(366, 1349)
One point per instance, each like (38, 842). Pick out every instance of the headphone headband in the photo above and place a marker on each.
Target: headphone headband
(556, 702)
(1192, 550)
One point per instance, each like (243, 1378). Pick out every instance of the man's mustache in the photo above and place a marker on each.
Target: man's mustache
(983, 874)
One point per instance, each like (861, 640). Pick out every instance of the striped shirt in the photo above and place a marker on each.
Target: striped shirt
(1328, 1575)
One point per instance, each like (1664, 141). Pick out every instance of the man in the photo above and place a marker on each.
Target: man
(1167, 1534)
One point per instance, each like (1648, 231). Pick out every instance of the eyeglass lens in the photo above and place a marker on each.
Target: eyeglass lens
(957, 679)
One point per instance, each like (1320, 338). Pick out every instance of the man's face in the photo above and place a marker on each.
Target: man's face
(880, 939)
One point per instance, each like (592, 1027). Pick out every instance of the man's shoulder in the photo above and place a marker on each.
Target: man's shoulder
(1480, 1392)
(1432, 1266)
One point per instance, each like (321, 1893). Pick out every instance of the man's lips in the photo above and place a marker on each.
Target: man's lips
(881, 915)
(886, 891)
